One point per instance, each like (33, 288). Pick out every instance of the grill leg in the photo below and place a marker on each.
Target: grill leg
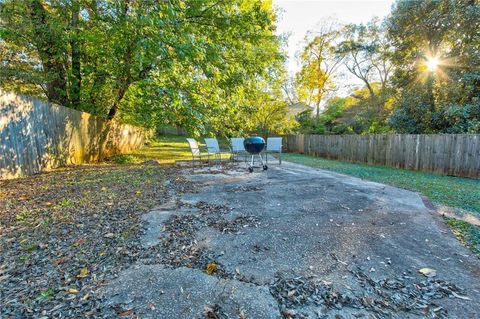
(261, 159)
(251, 163)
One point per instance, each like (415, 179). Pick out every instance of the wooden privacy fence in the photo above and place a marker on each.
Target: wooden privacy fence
(171, 130)
(449, 154)
(37, 136)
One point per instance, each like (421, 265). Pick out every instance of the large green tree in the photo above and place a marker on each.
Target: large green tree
(319, 64)
(366, 54)
(437, 58)
(359, 113)
(149, 62)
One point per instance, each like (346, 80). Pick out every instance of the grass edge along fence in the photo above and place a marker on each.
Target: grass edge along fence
(446, 154)
(36, 136)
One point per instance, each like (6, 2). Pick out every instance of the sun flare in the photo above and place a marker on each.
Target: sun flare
(432, 64)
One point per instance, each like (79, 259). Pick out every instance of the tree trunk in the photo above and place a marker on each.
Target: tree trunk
(50, 54)
(114, 108)
(76, 62)
(370, 89)
(113, 111)
(126, 75)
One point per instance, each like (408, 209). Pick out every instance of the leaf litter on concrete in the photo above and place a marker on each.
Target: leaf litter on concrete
(178, 245)
(311, 297)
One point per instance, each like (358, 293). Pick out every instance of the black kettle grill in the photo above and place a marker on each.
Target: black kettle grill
(254, 145)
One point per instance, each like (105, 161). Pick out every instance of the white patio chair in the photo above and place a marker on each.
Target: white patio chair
(237, 148)
(213, 148)
(274, 146)
(196, 151)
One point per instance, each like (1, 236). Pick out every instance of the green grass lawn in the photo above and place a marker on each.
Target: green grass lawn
(468, 234)
(165, 149)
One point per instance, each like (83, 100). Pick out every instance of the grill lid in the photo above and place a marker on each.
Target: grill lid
(254, 144)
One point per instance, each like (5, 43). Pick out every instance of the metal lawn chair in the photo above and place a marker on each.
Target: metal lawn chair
(213, 148)
(274, 146)
(196, 151)
(237, 148)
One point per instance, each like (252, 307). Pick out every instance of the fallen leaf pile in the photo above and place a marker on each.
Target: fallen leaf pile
(67, 232)
(245, 188)
(387, 297)
(178, 246)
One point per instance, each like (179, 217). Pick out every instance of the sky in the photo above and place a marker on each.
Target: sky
(299, 16)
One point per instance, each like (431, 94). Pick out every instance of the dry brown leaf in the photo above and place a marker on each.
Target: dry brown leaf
(289, 313)
(429, 272)
(79, 242)
(60, 261)
(83, 273)
(210, 312)
(211, 267)
(291, 293)
(126, 313)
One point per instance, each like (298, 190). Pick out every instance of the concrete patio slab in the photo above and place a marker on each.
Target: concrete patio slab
(360, 241)
(158, 292)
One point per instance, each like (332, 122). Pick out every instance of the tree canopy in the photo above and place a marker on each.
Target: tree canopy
(420, 67)
(319, 61)
(440, 98)
(180, 62)
(216, 66)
